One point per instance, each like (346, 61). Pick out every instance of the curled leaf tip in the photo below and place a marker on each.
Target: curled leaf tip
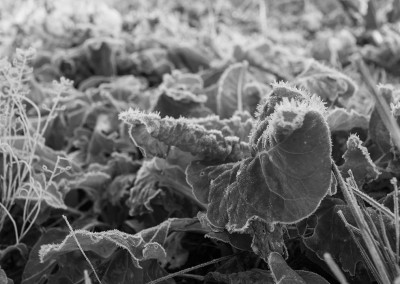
(289, 114)
(358, 160)
(133, 116)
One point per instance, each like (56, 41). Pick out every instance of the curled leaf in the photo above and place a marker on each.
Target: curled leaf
(152, 181)
(144, 245)
(357, 160)
(340, 119)
(162, 133)
(326, 82)
(286, 177)
(239, 125)
(177, 103)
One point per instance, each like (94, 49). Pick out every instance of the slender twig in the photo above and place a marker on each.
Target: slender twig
(373, 203)
(396, 215)
(12, 221)
(381, 105)
(388, 249)
(363, 226)
(364, 254)
(193, 276)
(335, 268)
(81, 249)
(184, 271)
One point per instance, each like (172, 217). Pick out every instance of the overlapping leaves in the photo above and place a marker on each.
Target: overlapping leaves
(145, 245)
(156, 135)
(326, 82)
(280, 273)
(285, 178)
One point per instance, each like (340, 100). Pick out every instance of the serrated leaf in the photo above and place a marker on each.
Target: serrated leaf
(283, 274)
(328, 83)
(239, 125)
(230, 95)
(357, 160)
(340, 119)
(331, 235)
(285, 179)
(118, 268)
(183, 134)
(144, 245)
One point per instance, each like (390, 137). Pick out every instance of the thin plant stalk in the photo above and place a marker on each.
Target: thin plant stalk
(81, 249)
(396, 215)
(364, 228)
(381, 105)
(12, 221)
(239, 91)
(335, 268)
(185, 271)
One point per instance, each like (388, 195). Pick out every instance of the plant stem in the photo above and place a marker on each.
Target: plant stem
(363, 226)
(381, 105)
(184, 271)
(13, 223)
(242, 79)
(396, 215)
(335, 268)
(81, 249)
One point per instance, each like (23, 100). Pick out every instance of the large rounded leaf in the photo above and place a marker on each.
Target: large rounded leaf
(285, 179)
